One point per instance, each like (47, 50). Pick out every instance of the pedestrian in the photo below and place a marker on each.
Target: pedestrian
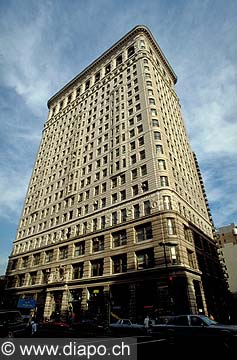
(211, 317)
(34, 326)
(147, 322)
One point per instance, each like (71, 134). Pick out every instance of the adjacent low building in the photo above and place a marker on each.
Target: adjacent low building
(227, 239)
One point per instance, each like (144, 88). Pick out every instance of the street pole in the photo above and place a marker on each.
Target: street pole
(164, 244)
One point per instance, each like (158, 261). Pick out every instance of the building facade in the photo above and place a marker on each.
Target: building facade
(227, 239)
(115, 221)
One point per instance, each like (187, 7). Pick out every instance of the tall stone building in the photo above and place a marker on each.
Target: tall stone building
(115, 221)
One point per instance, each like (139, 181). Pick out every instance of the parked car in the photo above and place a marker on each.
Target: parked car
(126, 327)
(88, 328)
(196, 329)
(12, 324)
(53, 329)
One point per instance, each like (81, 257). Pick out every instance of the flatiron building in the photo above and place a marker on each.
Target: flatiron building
(116, 221)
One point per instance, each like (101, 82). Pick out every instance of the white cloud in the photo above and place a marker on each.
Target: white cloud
(13, 187)
(213, 122)
(3, 262)
(220, 176)
(28, 64)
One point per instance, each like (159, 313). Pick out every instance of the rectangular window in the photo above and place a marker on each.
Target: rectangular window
(133, 145)
(131, 51)
(140, 129)
(191, 258)
(187, 234)
(145, 259)
(144, 186)
(141, 141)
(134, 174)
(143, 170)
(107, 68)
(164, 181)
(77, 272)
(171, 228)
(119, 263)
(167, 202)
(22, 280)
(135, 190)
(49, 256)
(97, 267)
(114, 183)
(142, 155)
(102, 222)
(173, 254)
(87, 85)
(114, 218)
(103, 187)
(105, 160)
(24, 262)
(78, 91)
(143, 232)
(155, 123)
(142, 44)
(63, 252)
(157, 135)
(161, 164)
(123, 195)
(139, 117)
(133, 159)
(79, 248)
(94, 222)
(45, 276)
(147, 207)
(119, 238)
(114, 198)
(138, 106)
(159, 149)
(97, 76)
(136, 211)
(123, 215)
(152, 101)
(36, 260)
(98, 243)
(14, 264)
(119, 60)
(33, 277)
(122, 179)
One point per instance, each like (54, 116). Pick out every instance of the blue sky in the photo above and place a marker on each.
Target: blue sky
(44, 44)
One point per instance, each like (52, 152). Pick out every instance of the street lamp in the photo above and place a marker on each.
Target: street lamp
(165, 244)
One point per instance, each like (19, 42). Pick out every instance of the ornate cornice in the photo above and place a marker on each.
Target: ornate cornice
(139, 29)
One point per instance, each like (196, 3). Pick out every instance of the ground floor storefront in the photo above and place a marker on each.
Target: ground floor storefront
(131, 297)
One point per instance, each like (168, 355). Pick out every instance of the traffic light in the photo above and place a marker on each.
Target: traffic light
(170, 284)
